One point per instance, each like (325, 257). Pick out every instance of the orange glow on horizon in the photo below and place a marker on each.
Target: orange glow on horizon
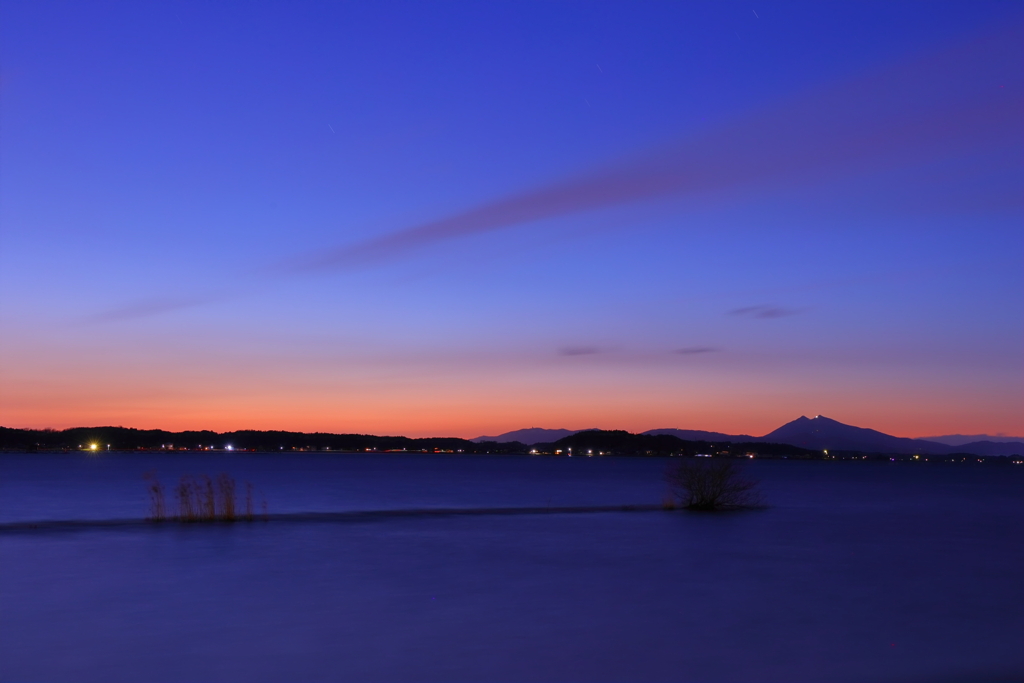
(182, 389)
(468, 412)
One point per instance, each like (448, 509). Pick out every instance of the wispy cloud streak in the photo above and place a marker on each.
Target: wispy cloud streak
(764, 312)
(144, 308)
(695, 350)
(937, 105)
(578, 351)
(941, 104)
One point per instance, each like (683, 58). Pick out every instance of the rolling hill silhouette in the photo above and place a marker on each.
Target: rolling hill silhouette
(815, 433)
(530, 436)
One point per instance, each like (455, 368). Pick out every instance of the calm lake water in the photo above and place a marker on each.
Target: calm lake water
(857, 572)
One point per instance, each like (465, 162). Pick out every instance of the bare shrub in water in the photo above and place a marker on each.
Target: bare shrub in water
(712, 484)
(157, 506)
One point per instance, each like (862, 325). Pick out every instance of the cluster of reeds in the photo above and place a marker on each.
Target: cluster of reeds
(202, 499)
(157, 507)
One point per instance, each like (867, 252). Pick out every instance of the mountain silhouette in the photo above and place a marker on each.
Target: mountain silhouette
(822, 433)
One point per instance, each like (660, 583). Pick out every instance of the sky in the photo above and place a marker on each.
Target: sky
(452, 218)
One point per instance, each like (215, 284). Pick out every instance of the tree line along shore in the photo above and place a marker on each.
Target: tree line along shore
(591, 443)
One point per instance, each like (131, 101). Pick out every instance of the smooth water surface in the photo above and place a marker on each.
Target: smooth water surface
(857, 572)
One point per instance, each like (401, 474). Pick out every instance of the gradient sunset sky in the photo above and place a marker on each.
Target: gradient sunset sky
(462, 218)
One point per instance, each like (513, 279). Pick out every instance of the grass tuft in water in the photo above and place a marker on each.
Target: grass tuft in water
(226, 488)
(201, 499)
(248, 501)
(157, 506)
(185, 492)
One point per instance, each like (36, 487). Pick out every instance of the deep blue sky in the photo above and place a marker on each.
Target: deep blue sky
(211, 215)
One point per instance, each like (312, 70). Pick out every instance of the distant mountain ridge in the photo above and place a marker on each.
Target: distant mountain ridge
(815, 433)
(700, 435)
(963, 439)
(990, 448)
(530, 436)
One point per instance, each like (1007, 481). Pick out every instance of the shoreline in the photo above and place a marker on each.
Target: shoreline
(320, 517)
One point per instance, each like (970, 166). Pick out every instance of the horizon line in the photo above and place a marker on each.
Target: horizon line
(1001, 436)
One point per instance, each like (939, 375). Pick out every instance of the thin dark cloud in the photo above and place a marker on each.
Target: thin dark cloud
(933, 106)
(578, 351)
(694, 350)
(144, 308)
(764, 311)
